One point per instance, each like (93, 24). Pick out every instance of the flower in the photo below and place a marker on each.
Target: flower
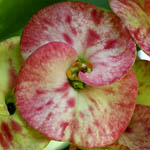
(71, 51)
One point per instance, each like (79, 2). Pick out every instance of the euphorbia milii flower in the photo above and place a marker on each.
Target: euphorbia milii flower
(89, 117)
(72, 49)
(15, 134)
(136, 16)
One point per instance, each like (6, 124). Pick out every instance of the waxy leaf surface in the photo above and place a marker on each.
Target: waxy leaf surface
(10, 63)
(142, 71)
(97, 36)
(93, 117)
(136, 18)
(137, 135)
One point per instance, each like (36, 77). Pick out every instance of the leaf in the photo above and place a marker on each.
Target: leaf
(15, 14)
(142, 71)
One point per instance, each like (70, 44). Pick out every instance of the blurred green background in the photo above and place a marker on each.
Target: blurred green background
(14, 14)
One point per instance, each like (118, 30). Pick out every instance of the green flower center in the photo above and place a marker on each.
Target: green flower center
(73, 71)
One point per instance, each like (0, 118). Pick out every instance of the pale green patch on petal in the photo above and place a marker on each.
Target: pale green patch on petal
(15, 134)
(142, 71)
(10, 63)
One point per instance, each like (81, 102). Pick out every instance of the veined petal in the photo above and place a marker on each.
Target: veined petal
(97, 36)
(142, 71)
(137, 135)
(10, 63)
(93, 117)
(110, 147)
(136, 18)
(115, 147)
(15, 134)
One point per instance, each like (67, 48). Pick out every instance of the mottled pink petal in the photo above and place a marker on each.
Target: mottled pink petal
(137, 135)
(114, 147)
(93, 117)
(136, 19)
(97, 36)
(142, 71)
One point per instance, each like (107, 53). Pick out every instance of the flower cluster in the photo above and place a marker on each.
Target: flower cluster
(74, 76)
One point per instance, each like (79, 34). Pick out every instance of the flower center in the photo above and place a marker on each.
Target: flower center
(73, 71)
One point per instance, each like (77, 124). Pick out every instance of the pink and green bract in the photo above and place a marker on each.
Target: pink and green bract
(92, 117)
(97, 36)
(10, 63)
(136, 16)
(15, 134)
(137, 135)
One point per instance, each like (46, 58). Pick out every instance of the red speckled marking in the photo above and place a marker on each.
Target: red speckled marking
(82, 115)
(89, 131)
(13, 74)
(40, 108)
(63, 127)
(40, 91)
(15, 126)
(3, 143)
(96, 16)
(71, 102)
(110, 44)
(49, 116)
(73, 30)
(94, 102)
(50, 102)
(68, 19)
(67, 38)
(92, 37)
(63, 88)
(5, 129)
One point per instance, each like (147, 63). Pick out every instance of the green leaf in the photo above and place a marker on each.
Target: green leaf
(14, 14)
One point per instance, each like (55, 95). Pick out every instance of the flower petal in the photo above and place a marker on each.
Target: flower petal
(142, 71)
(136, 19)
(97, 36)
(110, 147)
(137, 135)
(115, 147)
(10, 63)
(15, 134)
(93, 117)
